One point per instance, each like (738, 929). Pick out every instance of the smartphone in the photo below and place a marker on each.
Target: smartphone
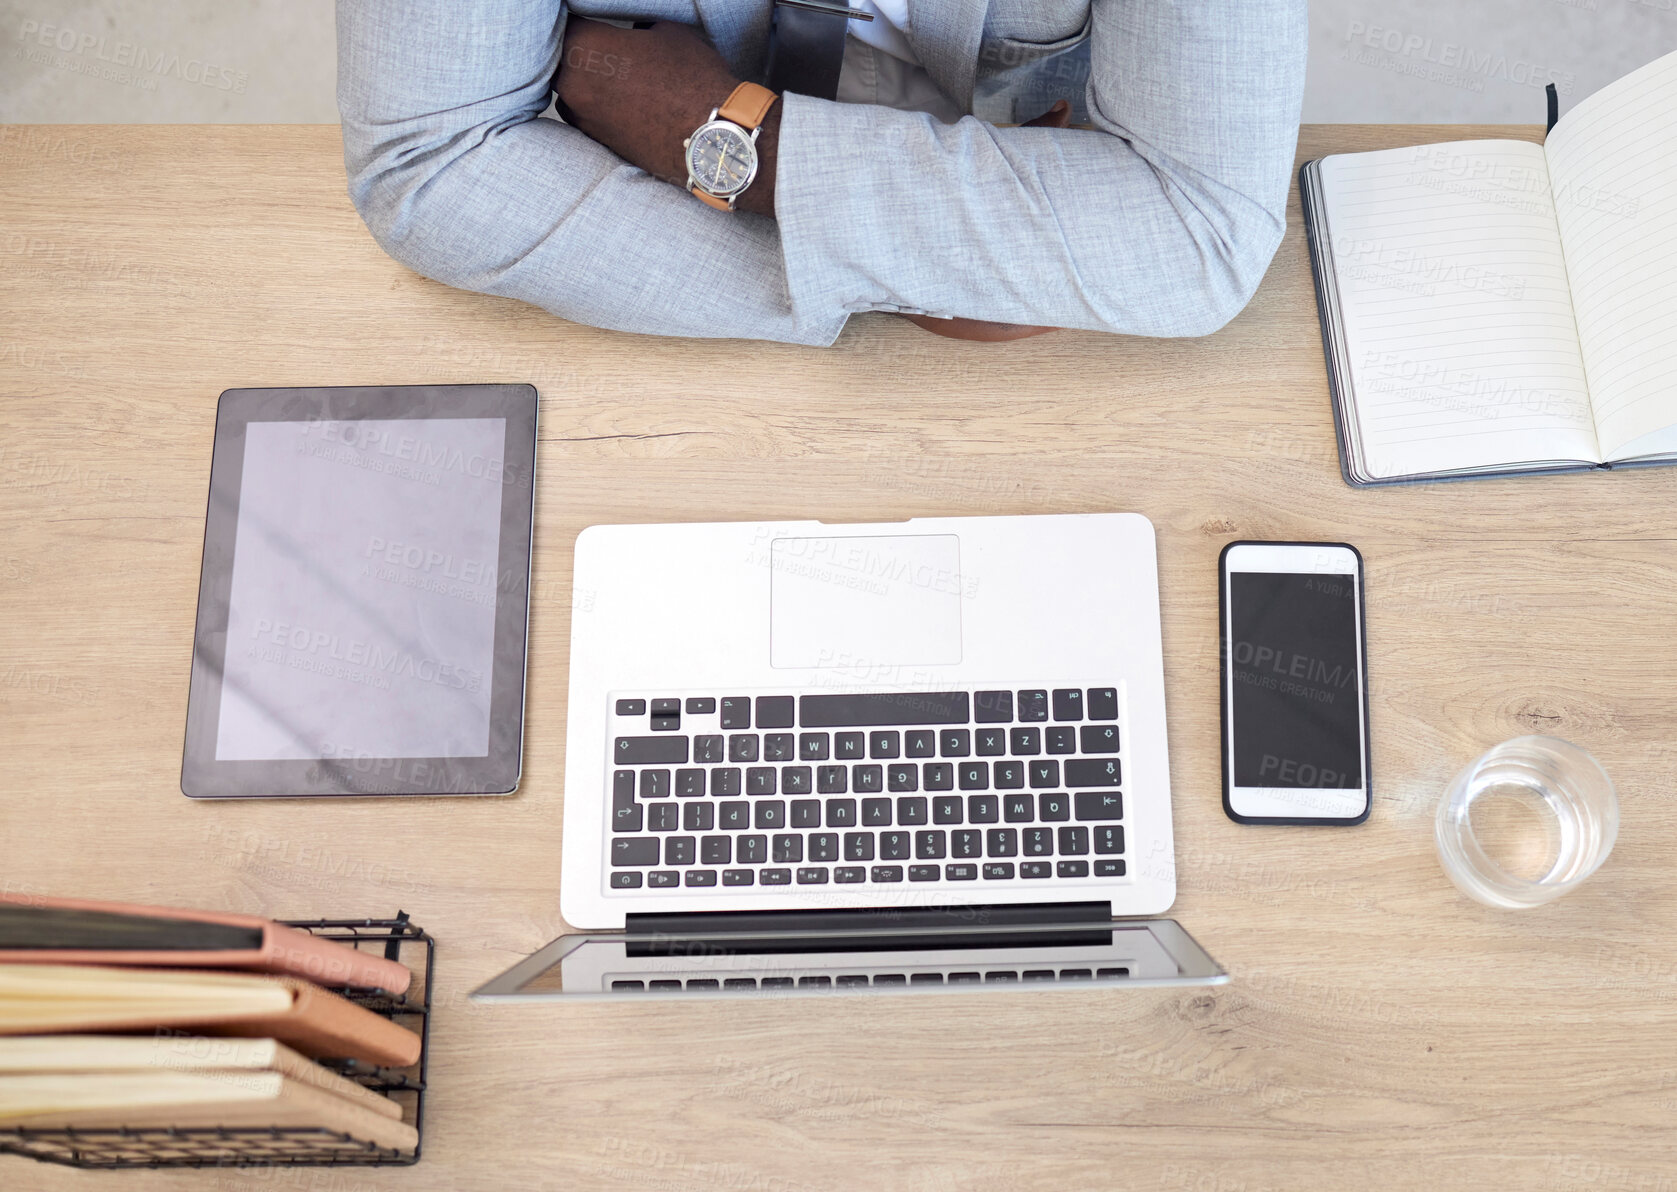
(1295, 683)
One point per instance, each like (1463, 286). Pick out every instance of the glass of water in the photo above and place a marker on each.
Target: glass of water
(1526, 822)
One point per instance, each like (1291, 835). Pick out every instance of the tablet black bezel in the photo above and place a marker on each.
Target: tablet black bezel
(205, 777)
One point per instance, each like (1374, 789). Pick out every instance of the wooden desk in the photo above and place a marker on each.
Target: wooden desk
(1381, 1031)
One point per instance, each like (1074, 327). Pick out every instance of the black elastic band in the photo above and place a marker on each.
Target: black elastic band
(1554, 108)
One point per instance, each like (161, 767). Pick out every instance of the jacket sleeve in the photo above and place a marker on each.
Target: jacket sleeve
(1161, 220)
(458, 177)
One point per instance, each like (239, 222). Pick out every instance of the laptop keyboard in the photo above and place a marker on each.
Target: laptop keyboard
(990, 787)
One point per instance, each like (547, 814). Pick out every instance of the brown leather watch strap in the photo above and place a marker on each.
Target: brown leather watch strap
(710, 200)
(748, 105)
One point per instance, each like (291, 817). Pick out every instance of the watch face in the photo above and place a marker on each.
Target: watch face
(722, 159)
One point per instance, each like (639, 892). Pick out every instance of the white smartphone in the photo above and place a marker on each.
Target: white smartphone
(1295, 683)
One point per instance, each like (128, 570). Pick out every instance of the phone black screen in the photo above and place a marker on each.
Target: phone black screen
(1297, 698)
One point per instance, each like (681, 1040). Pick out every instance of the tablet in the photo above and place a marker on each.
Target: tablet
(365, 593)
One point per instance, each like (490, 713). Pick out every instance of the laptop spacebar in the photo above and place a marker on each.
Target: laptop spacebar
(862, 711)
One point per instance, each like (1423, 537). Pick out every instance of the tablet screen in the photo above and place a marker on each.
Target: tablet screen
(361, 619)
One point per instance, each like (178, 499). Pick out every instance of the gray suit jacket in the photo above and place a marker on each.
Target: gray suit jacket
(1159, 220)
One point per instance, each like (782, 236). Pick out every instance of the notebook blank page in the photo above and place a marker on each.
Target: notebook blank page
(1613, 167)
(1457, 314)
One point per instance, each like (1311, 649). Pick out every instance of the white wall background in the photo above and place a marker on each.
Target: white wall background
(273, 61)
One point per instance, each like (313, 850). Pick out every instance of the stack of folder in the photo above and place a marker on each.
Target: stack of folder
(114, 1015)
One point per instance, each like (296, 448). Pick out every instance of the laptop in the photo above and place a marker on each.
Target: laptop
(814, 757)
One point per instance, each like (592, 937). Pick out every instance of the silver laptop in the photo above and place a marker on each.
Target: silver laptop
(819, 757)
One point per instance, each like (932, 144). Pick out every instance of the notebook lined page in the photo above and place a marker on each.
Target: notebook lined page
(1613, 168)
(1457, 314)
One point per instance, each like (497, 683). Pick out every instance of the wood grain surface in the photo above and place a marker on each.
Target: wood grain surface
(1381, 1031)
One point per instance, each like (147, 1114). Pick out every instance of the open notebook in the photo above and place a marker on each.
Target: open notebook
(1500, 307)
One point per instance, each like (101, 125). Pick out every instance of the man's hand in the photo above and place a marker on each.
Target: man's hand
(641, 92)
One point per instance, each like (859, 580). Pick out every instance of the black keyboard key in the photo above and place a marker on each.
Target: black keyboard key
(1045, 774)
(623, 783)
(1073, 869)
(997, 871)
(1019, 809)
(742, 747)
(666, 724)
(831, 780)
(876, 813)
(631, 707)
(680, 850)
(814, 747)
(1008, 776)
(701, 877)
(850, 980)
(1099, 805)
(788, 848)
(1099, 738)
(850, 874)
(895, 846)
(1002, 842)
(920, 742)
(737, 982)
(771, 813)
(911, 810)
(890, 978)
(1093, 772)
(655, 784)
(703, 982)
(736, 712)
(823, 846)
(955, 742)
(759, 780)
(983, 809)
(1108, 867)
(990, 742)
(1109, 839)
(1074, 841)
(966, 842)
(1001, 976)
(960, 873)
(753, 849)
(796, 780)
(1061, 738)
(886, 873)
(1054, 808)
(1033, 705)
(1075, 974)
(931, 845)
(778, 747)
(701, 705)
(663, 817)
(992, 707)
(776, 877)
(625, 812)
(666, 707)
(946, 809)
(904, 776)
(697, 817)
(663, 879)
(650, 751)
(924, 873)
(926, 979)
(689, 783)
(1036, 869)
(716, 850)
(867, 779)
(1102, 703)
(778, 982)
(815, 875)
(709, 748)
(734, 815)
(850, 747)
(884, 744)
(858, 846)
(1068, 703)
(806, 813)
(725, 781)
(664, 985)
(973, 776)
(938, 776)
(841, 813)
(1027, 742)
(912, 707)
(1037, 842)
(629, 879)
(1038, 974)
(776, 711)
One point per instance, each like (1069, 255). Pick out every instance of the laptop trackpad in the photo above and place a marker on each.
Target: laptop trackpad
(890, 600)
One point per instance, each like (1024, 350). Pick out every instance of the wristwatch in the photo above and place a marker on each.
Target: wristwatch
(722, 152)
